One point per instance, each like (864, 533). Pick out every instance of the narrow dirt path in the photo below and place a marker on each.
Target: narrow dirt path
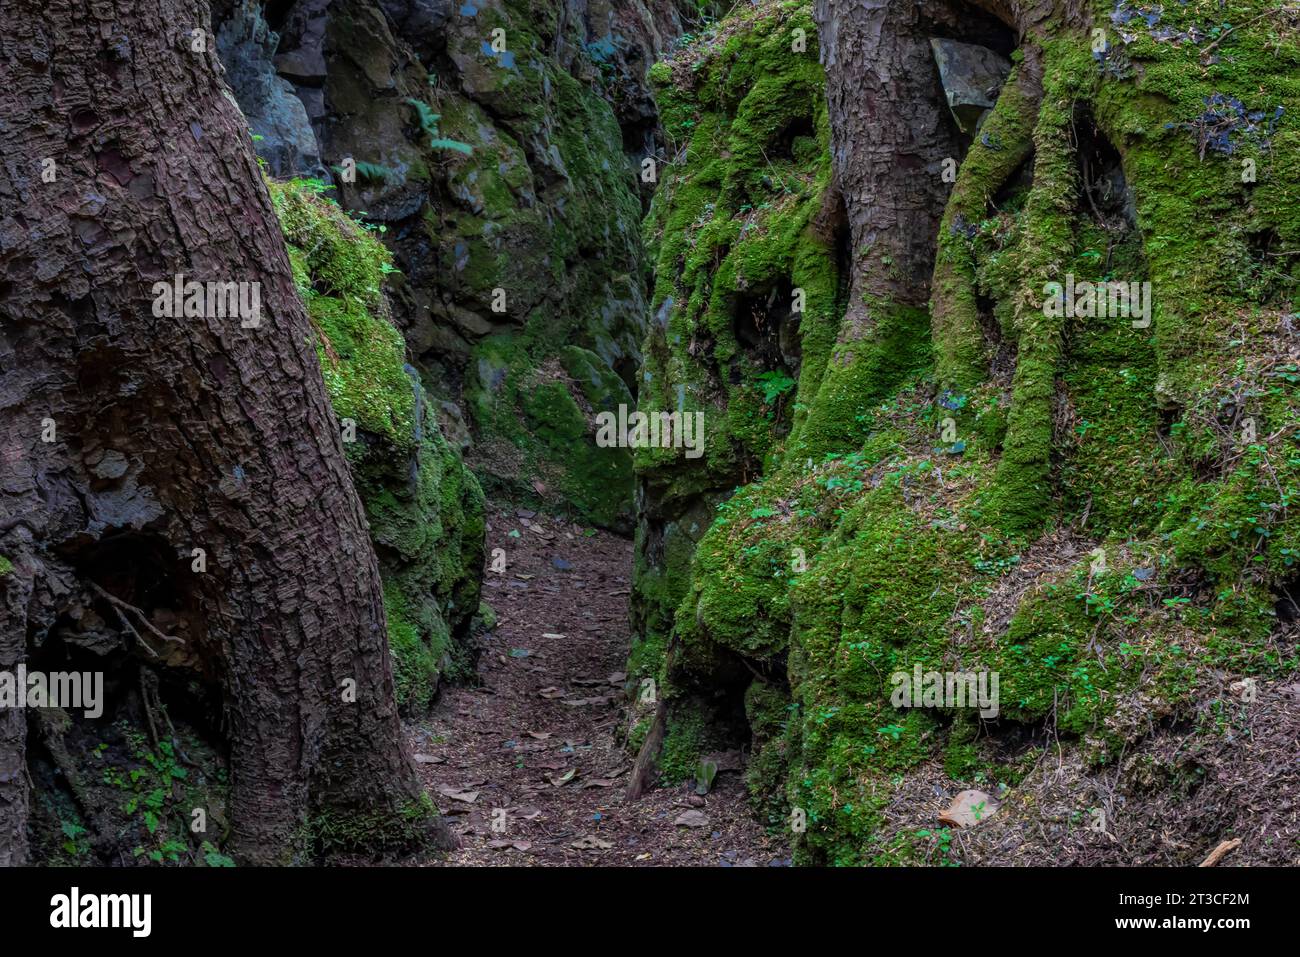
(528, 764)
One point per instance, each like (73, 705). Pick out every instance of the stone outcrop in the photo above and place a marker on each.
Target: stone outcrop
(971, 76)
(495, 147)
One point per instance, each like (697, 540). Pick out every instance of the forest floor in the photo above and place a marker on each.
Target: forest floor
(529, 764)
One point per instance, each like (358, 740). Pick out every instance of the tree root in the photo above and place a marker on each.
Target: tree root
(121, 606)
(955, 317)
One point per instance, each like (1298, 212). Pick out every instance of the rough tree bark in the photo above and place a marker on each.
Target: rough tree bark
(890, 133)
(889, 137)
(174, 434)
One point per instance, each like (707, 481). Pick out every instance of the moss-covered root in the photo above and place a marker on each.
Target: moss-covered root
(1005, 142)
(1019, 497)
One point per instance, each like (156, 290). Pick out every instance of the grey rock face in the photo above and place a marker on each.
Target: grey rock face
(971, 77)
(420, 22)
(529, 221)
(275, 115)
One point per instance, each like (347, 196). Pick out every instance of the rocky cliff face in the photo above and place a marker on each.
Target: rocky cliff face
(495, 147)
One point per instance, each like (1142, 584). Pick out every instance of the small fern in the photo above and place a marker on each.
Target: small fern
(374, 172)
(429, 124)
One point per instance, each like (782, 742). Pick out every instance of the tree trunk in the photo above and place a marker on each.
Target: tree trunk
(133, 440)
(889, 137)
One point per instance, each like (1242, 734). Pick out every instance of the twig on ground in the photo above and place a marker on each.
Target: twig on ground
(1218, 853)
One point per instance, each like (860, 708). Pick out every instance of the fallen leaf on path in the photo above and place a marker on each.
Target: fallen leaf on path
(430, 759)
(553, 635)
(559, 780)
(456, 794)
(969, 808)
(598, 783)
(552, 692)
(1238, 688)
(590, 843)
(692, 818)
(539, 735)
(528, 813)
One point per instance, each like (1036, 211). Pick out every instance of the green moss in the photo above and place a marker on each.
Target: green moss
(684, 742)
(6, 566)
(604, 390)
(535, 411)
(860, 374)
(426, 520)
(487, 616)
(636, 737)
(961, 362)
(767, 708)
(732, 229)
(848, 539)
(416, 662)
(961, 759)
(548, 214)
(554, 416)
(1022, 488)
(339, 270)
(646, 657)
